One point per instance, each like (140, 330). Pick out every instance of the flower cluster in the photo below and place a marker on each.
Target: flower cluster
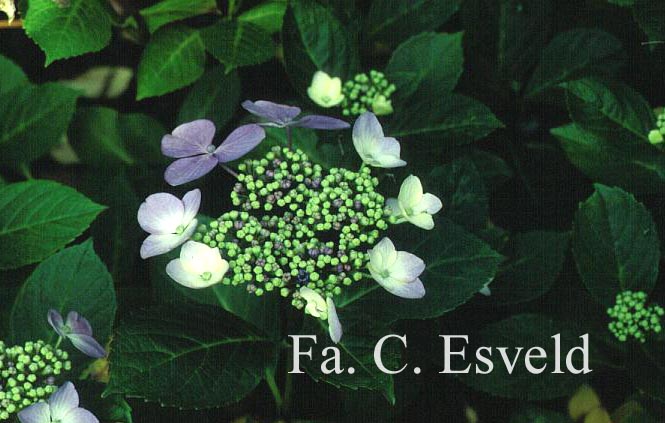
(298, 225)
(297, 228)
(368, 93)
(633, 318)
(28, 374)
(364, 93)
(657, 136)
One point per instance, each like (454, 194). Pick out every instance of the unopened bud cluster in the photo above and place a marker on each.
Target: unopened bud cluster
(633, 318)
(297, 225)
(28, 374)
(657, 136)
(367, 93)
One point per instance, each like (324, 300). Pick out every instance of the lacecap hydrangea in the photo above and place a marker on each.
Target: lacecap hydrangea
(295, 229)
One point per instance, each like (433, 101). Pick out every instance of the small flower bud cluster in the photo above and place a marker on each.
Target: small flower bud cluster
(657, 136)
(28, 374)
(298, 225)
(367, 93)
(633, 319)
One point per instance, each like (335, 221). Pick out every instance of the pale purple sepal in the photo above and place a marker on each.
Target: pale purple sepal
(78, 330)
(189, 169)
(282, 116)
(189, 139)
(321, 122)
(240, 142)
(63, 406)
(36, 413)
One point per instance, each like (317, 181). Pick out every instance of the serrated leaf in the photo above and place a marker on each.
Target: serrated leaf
(614, 160)
(173, 58)
(167, 11)
(429, 62)
(453, 120)
(268, 16)
(95, 136)
(34, 119)
(315, 39)
(526, 331)
(11, 76)
(607, 107)
(615, 244)
(83, 26)
(175, 356)
(536, 258)
(575, 54)
(458, 266)
(462, 191)
(37, 218)
(74, 279)
(238, 43)
(357, 351)
(392, 21)
(215, 97)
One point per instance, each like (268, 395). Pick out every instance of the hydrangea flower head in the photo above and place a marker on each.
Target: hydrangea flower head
(413, 205)
(323, 309)
(199, 266)
(78, 330)
(374, 148)
(397, 271)
(191, 144)
(282, 116)
(169, 221)
(62, 407)
(325, 90)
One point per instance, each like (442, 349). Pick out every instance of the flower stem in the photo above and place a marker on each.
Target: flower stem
(25, 170)
(57, 344)
(231, 171)
(274, 389)
(289, 138)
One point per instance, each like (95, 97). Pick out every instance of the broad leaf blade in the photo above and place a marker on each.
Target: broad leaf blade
(615, 244)
(37, 218)
(188, 357)
(173, 58)
(74, 279)
(83, 26)
(215, 97)
(238, 43)
(167, 11)
(11, 76)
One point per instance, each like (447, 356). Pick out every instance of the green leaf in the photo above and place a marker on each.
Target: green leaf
(575, 54)
(428, 62)
(650, 15)
(526, 331)
(315, 39)
(605, 107)
(34, 119)
(174, 58)
(167, 11)
(37, 218)
(268, 16)
(493, 169)
(142, 136)
(188, 357)
(11, 76)
(453, 119)
(504, 39)
(237, 43)
(74, 279)
(647, 369)
(392, 21)
(215, 97)
(357, 351)
(83, 26)
(95, 136)
(462, 192)
(614, 160)
(615, 244)
(259, 313)
(536, 258)
(458, 266)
